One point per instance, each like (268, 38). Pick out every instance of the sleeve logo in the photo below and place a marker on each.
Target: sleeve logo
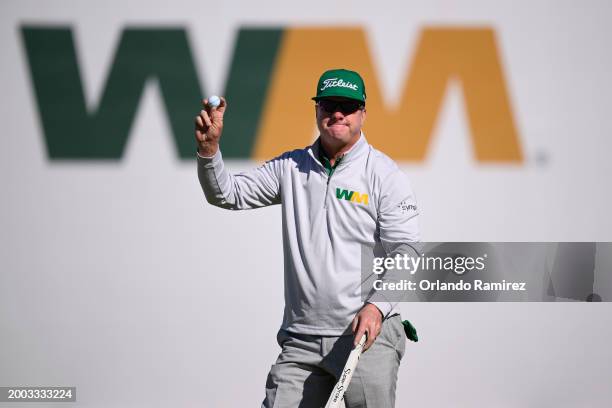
(405, 208)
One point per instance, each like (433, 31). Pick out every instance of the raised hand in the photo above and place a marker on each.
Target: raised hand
(208, 128)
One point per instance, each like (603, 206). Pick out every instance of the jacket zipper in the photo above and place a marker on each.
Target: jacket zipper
(326, 192)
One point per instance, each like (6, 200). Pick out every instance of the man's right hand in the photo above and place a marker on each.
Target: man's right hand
(208, 128)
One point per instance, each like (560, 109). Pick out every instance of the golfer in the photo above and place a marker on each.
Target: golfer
(338, 195)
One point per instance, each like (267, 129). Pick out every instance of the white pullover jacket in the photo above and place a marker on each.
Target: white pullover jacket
(367, 199)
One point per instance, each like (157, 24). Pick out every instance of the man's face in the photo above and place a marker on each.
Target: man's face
(339, 119)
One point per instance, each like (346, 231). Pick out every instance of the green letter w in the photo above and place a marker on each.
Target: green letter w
(340, 194)
(72, 131)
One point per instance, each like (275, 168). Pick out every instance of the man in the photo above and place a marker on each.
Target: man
(338, 196)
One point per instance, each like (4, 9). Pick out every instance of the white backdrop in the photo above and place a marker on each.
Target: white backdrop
(119, 279)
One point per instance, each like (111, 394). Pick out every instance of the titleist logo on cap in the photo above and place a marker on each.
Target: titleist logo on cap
(333, 82)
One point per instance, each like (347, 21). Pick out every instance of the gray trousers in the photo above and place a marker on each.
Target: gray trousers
(308, 367)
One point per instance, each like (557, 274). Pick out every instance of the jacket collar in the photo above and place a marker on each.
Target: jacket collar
(355, 152)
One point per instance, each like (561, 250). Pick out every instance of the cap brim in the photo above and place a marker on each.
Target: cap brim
(318, 98)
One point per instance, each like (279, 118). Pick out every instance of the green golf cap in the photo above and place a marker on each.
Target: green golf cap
(341, 82)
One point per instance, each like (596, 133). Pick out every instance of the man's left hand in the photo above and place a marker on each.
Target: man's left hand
(368, 321)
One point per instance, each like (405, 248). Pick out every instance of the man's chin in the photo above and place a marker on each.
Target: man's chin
(338, 136)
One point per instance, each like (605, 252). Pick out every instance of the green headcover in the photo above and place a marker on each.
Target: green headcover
(410, 331)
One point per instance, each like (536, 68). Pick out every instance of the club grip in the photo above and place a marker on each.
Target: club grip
(337, 395)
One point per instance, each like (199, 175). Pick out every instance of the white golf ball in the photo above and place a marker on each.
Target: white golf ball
(214, 101)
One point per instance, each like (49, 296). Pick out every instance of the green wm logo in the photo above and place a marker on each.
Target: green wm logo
(353, 196)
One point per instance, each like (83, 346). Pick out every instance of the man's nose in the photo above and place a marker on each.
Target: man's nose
(337, 114)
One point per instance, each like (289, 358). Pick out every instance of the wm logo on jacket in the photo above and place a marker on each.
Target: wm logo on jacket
(353, 196)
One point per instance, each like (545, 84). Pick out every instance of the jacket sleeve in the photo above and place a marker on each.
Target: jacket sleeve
(255, 188)
(398, 220)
